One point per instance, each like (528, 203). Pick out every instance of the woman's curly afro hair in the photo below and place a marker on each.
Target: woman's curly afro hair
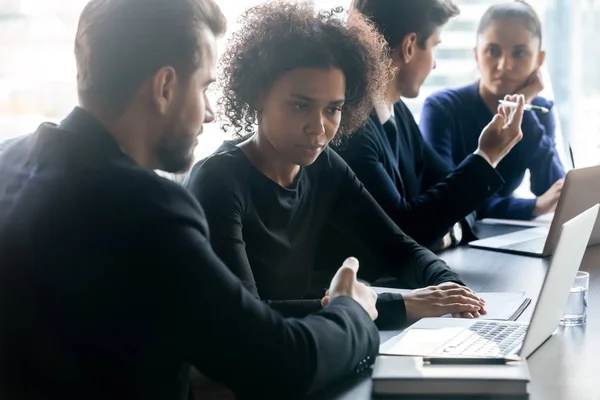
(279, 36)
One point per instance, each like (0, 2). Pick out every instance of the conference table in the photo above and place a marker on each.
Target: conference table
(567, 366)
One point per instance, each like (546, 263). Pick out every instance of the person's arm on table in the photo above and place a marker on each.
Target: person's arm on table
(357, 212)
(233, 338)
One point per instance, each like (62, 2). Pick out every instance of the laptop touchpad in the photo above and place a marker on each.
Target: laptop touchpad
(419, 342)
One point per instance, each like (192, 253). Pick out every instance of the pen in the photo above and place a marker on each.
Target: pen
(528, 107)
(468, 360)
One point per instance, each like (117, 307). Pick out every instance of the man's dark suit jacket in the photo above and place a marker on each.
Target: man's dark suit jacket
(7, 142)
(109, 287)
(409, 180)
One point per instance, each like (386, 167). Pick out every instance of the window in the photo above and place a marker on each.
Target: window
(37, 72)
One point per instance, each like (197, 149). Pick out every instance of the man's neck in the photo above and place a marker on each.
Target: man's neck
(268, 161)
(384, 107)
(129, 133)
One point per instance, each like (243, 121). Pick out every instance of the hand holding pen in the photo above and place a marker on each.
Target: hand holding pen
(503, 132)
(527, 107)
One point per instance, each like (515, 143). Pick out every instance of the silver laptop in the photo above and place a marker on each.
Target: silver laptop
(474, 338)
(580, 191)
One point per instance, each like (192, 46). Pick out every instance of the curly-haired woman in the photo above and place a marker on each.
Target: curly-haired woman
(296, 79)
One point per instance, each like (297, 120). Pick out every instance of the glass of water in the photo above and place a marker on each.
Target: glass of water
(576, 310)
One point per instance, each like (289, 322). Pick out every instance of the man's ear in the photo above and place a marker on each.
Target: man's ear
(397, 57)
(408, 47)
(164, 84)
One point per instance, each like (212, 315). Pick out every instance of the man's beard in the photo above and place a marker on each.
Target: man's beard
(174, 153)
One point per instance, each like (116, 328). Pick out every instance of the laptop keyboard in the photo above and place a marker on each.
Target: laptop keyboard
(485, 339)
(531, 246)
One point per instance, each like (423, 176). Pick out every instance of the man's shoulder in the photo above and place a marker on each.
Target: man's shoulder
(368, 137)
(56, 175)
(96, 170)
(143, 193)
(4, 144)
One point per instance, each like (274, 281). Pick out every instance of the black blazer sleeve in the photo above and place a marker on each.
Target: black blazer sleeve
(230, 336)
(447, 199)
(358, 214)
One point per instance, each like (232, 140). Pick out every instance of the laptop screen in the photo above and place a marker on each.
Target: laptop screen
(556, 288)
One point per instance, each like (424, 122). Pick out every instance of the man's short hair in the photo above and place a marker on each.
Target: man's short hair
(397, 18)
(120, 43)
